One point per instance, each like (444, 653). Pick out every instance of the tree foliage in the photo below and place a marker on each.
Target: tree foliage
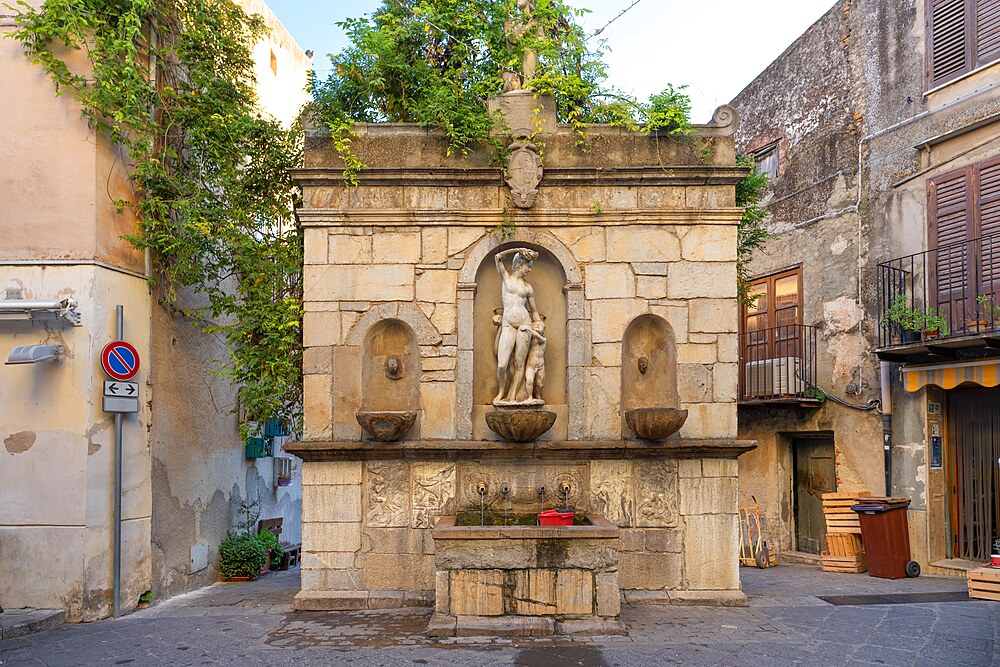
(435, 62)
(171, 83)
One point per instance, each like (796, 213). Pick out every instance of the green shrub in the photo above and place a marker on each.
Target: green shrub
(241, 555)
(270, 541)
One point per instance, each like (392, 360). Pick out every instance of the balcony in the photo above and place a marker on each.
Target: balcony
(941, 304)
(778, 367)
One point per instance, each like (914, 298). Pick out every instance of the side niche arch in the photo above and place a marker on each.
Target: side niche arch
(556, 279)
(390, 368)
(649, 364)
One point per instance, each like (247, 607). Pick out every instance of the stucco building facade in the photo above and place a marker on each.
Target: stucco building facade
(878, 128)
(184, 469)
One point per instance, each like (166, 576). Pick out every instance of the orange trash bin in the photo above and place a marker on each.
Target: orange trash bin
(886, 537)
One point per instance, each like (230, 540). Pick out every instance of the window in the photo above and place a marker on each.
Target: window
(767, 159)
(961, 36)
(771, 325)
(274, 61)
(964, 216)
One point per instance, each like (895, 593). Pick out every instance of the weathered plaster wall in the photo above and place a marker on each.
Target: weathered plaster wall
(56, 547)
(815, 113)
(873, 52)
(280, 66)
(200, 472)
(60, 236)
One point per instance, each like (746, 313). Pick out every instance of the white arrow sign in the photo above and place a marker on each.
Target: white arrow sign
(127, 389)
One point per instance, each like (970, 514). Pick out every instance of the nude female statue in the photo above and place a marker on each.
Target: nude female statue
(519, 313)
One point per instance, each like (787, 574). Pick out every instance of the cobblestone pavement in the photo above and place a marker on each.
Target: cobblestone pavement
(786, 624)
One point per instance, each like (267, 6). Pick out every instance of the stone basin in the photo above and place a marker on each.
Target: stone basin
(526, 580)
(387, 425)
(520, 424)
(655, 423)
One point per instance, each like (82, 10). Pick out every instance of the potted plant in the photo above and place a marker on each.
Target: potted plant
(904, 322)
(935, 324)
(241, 557)
(988, 313)
(275, 554)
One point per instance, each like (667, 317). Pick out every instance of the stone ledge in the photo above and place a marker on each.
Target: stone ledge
(442, 625)
(599, 528)
(479, 450)
(727, 598)
(21, 622)
(359, 600)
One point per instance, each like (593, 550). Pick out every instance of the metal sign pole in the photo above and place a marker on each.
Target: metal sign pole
(117, 577)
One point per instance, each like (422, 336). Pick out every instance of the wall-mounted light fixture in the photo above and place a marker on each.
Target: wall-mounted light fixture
(34, 354)
(19, 309)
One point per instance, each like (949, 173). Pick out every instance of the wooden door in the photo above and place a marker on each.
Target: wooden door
(815, 474)
(974, 436)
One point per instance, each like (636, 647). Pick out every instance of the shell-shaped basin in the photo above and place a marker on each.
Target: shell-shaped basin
(387, 425)
(655, 423)
(520, 424)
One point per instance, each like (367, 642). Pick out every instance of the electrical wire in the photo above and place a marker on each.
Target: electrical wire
(618, 16)
(874, 404)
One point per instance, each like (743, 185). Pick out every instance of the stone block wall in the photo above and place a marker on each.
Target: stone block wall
(367, 524)
(640, 230)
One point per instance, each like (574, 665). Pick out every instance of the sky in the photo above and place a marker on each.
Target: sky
(715, 47)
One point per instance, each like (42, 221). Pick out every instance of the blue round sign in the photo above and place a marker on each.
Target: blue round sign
(120, 360)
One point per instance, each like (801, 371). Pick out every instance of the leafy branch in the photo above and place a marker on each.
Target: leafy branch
(171, 83)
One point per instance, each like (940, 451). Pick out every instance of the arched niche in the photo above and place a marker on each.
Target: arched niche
(548, 280)
(397, 388)
(649, 344)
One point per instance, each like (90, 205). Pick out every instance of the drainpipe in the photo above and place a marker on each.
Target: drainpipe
(885, 377)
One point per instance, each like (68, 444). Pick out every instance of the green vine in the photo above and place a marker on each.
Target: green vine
(171, 83)
(751, 232)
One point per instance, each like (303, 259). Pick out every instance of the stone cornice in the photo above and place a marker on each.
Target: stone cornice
(472, 450)
(682, 175)
(326, 217)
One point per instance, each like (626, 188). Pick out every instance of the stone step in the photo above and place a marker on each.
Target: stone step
(21, 622)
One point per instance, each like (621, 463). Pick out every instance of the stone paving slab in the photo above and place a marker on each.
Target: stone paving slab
(256, 624)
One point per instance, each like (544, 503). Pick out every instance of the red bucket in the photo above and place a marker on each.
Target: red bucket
(556, 518)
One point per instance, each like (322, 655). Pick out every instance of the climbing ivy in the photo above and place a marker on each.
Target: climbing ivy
(171, 83)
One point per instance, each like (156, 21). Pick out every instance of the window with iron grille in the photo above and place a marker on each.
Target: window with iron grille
(964, 216)
(961, 36)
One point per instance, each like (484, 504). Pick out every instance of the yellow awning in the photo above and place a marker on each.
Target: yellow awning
(949, 376)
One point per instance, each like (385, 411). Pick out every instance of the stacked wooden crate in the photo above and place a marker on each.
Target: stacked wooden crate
(845, 552)
(984, 583)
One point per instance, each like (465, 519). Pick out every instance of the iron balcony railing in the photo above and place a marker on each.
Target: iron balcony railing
(778, 363)
(952, 290)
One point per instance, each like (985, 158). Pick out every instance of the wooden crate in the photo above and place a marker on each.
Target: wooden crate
(855, 564)
(843, 544)
(984, 583)
(840, 518)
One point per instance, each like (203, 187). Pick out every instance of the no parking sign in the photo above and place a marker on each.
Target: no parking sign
(120, 360)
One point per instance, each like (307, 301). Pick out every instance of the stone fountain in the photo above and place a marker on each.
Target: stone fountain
(457, 366)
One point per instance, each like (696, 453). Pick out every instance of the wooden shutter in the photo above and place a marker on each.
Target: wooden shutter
(987, 31)
(987, 181)
(950, 39)
(949, 219)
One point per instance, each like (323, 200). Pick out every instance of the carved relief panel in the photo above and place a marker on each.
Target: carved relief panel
(388, 494)
(433, 492)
